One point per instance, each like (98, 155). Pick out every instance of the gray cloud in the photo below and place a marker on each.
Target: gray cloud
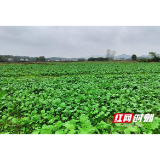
(78, 41)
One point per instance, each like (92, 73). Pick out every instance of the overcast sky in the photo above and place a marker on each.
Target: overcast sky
(78, 41)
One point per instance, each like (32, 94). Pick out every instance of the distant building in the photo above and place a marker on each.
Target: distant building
(22, 59)
(110, 54)
(10, 59)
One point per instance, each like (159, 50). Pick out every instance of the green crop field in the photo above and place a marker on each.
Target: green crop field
(78, 97)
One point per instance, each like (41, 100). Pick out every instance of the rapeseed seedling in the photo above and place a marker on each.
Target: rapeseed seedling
(82, 99)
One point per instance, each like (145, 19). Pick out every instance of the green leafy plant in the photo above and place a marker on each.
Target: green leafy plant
(78, 98)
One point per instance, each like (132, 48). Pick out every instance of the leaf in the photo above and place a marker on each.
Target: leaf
(62, 105)
(4, 117)
(43, 111)
(69, 126)
(5, 133)
(108, 97)
(51, 121)
(60, 132)
(57, 117)
(127, 131)
(95, 111)
(83, 131)
(140, 111)
(108, 113)
(46, 131)
(36, 132)
(15, 120)
(115, 132)
(103, 108)
(103, 125)
(134, 129)
(73, 121)
(58, 124)
(155, 123)
(52, 110)
(57, 101)
(104, 132)
(25, 119)
(76, 101)
(64, 118)
(71, 131)
(87, 125)
(149, 133)
(83, 118)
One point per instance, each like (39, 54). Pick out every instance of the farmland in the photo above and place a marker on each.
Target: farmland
(78, 97)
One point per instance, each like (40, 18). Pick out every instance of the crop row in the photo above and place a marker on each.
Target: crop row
(77, 104)
(78, 69)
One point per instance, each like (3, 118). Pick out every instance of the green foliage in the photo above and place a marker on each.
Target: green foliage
(78, 98)
(134, 57)
(153, 54)
(81, 59)
(98, 59)
(155, 57)
(41, 59)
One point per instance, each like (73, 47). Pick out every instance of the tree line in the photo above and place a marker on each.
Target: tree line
(154, 55)
(98, 59)
(11, 58)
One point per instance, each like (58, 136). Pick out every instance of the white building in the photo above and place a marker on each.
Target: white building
(22, 59)
(10, 59)
(110, 54)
